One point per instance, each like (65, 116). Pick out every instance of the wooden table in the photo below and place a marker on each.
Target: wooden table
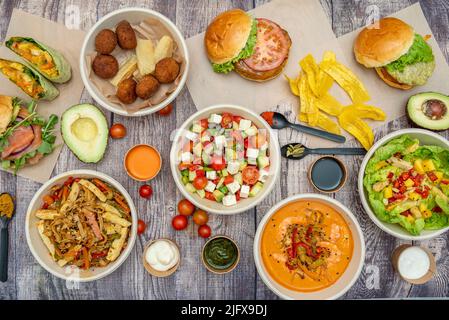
(27, 280)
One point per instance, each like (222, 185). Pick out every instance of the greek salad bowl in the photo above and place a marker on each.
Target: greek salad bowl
(402, 184)
(116, 249)
(225, 159)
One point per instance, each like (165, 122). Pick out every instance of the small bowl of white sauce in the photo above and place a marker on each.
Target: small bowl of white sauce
(161, 257)
(414, 264)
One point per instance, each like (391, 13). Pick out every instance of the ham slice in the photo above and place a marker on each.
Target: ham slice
(23, 140)
(90, 216)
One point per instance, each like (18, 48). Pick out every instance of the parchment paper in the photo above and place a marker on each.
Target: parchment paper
(66, 41)
(308, 26)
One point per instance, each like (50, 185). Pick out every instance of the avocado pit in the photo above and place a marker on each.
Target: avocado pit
(434, 109)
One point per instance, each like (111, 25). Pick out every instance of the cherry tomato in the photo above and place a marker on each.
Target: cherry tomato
(204, 231)
(200, 217)
(226, 120)
(117, 131)
(250, 175)
(200, 173)
(210, 195)
(228, 179)
(182, 166)
(141, 226)
(145, 191)
(204, 123)
(236, 119)
(185, 207)
(218, 163)
(166, 111)
(179, 222)
(200, 183)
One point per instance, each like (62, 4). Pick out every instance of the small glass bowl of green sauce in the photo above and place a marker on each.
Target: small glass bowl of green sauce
(220, 254)
(328, 174)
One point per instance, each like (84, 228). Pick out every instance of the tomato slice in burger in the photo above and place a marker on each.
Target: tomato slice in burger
(271, 47)
(250, 175)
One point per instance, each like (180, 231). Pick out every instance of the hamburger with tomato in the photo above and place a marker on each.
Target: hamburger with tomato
(257, 49)
(25, 137)
(401, 57)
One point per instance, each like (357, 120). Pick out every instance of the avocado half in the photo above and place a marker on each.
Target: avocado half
(85, 131)
(429, 110)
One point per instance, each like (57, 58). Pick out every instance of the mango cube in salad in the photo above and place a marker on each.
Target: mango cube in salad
(428, 165)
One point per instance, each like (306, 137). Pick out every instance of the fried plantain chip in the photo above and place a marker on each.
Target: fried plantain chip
(357, 127)
(347, 80)
(311, 69)
(294, 84)
(368, 112)
(325, 81)
(324, 122)
(329, 104)
(303, 117)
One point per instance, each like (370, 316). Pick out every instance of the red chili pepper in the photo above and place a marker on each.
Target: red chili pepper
(425, 194)
(432, 176)
(405, 176)
(101, 254)
(437, 209)
(307, 247)
(390, 175)
(44, 206)
(402, 189)
(69, 181)
(268, 117)
(396, 184)
(446, 182)
(406, 213)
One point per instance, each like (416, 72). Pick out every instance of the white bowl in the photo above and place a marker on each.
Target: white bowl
(132, 15)
(347, 279)
(425, 137)
(40, 251)
(243, 204)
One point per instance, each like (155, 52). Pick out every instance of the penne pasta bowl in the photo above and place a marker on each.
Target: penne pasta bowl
(109, 100)
(46, 245)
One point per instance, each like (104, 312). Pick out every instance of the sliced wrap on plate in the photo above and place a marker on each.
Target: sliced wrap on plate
(29, 80)
(49, 62)
(25, 137)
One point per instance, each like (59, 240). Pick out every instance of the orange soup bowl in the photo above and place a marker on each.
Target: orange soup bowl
(326, 256)
(142, 162)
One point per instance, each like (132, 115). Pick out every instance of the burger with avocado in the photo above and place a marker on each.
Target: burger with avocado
(401, 57)
(25, 137)
(257, 49)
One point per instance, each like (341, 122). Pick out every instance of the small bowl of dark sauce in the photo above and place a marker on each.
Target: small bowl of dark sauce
(220, 255)
(328, 174)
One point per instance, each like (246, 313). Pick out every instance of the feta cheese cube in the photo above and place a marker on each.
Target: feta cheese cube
(229, 200)
(244, 191)
(211, 175)
(233, 167)
(215, 118)
(244, 124)
(263, 175)
(210, 187)
(208, 148)
(186, 157)
(252, 153)
(251, 131)
(252, 161)
(220, 141)
(233, 187)
(197, 127)
(192, 136)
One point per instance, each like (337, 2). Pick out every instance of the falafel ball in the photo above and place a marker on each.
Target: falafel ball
(105, 41)
(166, 70)
(126, 36)
(105, 66)
(147, 86)
(126, 91)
